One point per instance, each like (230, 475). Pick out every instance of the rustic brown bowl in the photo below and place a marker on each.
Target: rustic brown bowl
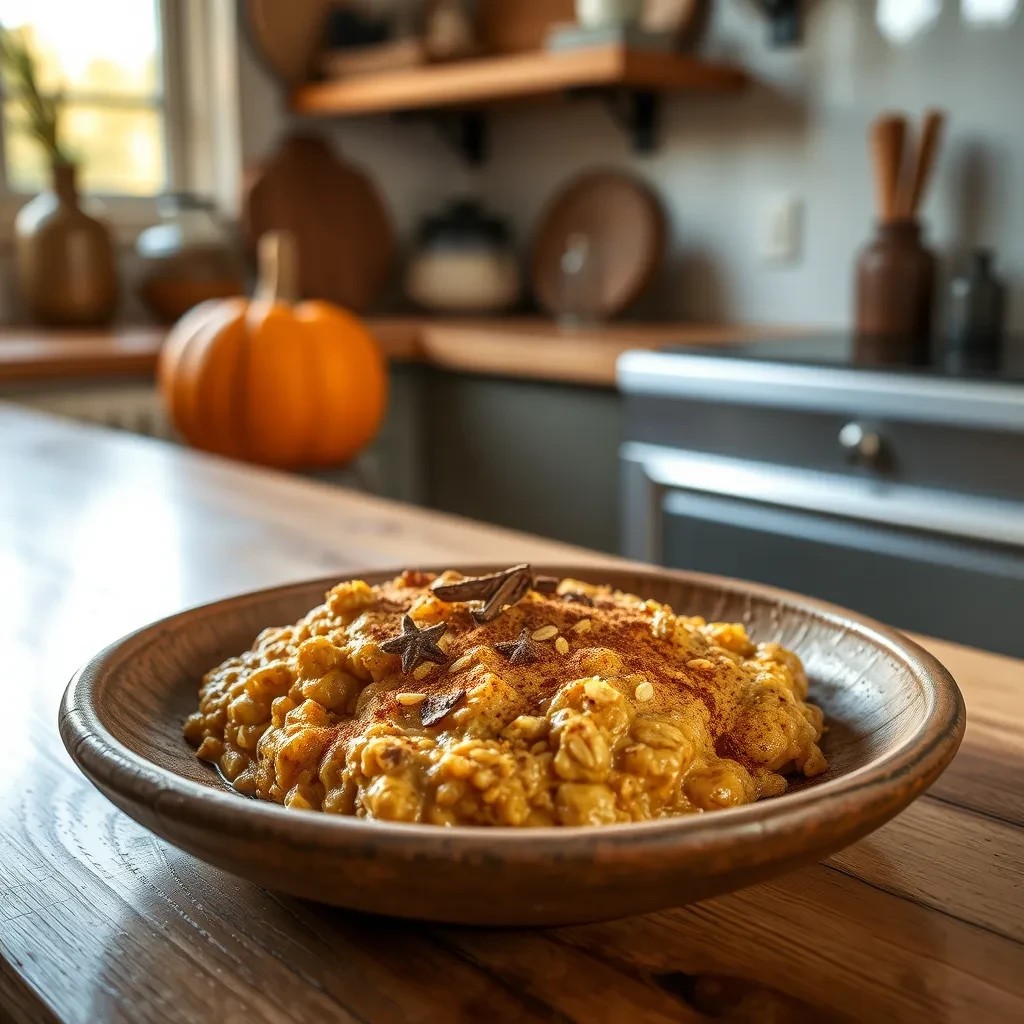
(896, 720)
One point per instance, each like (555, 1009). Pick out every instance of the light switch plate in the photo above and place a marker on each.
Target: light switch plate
(780, 239)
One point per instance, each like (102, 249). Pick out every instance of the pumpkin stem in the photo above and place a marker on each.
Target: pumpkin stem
(278, 263)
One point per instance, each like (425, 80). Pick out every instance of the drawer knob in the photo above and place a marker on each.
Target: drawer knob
(861, 446)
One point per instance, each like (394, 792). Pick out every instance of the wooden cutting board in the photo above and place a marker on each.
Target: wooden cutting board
(341, 226)
(625, 226)
(511, 26)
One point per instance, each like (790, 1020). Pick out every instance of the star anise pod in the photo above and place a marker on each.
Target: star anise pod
(416, 645)
(522, 651)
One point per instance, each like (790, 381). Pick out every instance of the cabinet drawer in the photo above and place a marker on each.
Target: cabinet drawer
(967, 592)
(931, 455)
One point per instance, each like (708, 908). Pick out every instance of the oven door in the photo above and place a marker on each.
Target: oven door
(928, 561)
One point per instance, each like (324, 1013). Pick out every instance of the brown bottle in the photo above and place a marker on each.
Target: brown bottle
(65, 258)
(895, 292)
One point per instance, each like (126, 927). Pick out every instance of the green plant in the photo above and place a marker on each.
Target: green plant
(43, 111)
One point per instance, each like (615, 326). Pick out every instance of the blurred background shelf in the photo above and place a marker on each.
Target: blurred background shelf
(529, 75)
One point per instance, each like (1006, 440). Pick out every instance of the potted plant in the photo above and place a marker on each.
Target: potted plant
(65, 258)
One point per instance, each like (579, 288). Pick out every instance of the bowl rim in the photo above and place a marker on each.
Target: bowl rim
(918, 759)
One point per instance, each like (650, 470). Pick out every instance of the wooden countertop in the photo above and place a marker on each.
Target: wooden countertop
(509, 347)
(29, 353)
(100, 921)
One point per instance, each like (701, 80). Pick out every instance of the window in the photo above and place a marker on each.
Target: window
(152, 90)
(106, 57)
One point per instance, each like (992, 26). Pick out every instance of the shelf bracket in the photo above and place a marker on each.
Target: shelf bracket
(634, 110)
(464, 130)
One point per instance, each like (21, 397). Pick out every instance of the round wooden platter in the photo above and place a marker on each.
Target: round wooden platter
(341, 226)
(895, 720)
(285, 34)
(624, 223)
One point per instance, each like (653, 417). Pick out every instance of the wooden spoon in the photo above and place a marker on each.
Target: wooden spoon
(888, 135)
(915, 186)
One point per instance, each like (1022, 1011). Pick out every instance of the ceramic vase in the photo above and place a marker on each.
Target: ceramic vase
(65, 258)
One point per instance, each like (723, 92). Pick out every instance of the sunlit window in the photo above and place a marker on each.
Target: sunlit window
(105, 55)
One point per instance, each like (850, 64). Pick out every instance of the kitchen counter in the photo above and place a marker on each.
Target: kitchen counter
(33, 354)
(529, 348)
(100, 921)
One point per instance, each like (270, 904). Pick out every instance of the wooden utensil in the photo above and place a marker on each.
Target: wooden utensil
(915, 182)
(285, 35)
(624, 226)
(511, 26)
(888, 136)
(897, 719)
(341, 226)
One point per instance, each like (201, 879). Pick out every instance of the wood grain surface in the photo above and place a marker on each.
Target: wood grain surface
(100, 921)
(504, 347)
(515, 77)
(39, 353)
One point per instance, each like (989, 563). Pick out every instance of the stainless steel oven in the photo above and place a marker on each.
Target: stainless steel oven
(882, 492)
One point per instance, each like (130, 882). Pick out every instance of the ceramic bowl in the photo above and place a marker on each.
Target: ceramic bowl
(896, 719)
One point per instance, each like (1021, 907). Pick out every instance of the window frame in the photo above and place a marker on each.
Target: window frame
(201, 116)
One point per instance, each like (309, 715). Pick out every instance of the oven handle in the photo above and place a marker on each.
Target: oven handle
(648, 468)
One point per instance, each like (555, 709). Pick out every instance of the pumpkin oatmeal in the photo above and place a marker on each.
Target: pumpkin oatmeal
(509, 699)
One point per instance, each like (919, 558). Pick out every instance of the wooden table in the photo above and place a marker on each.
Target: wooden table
(100, 921)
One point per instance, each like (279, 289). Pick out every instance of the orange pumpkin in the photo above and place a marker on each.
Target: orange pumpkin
(268, 382)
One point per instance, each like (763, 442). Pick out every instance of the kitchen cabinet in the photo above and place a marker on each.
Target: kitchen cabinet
(512, 420)
(891, 491)
(530, 455)
(391, 467)
(127, 403)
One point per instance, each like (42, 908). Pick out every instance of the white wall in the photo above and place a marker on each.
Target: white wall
(801, 129)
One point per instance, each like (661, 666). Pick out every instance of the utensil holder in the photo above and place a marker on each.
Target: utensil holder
(895, 290)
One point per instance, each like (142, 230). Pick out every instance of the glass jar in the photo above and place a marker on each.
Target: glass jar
(189, 257)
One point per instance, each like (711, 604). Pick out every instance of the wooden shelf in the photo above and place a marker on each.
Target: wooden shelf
(485, 81)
